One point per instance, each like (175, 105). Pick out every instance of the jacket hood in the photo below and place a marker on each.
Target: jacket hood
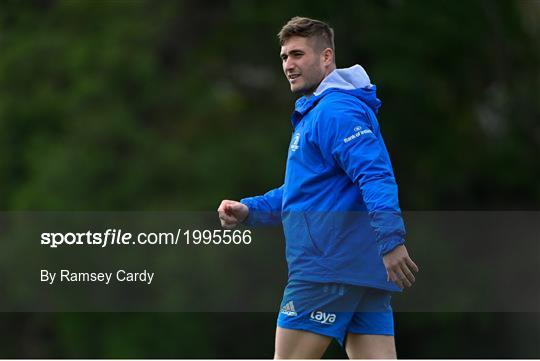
(353, 80)
(349, 78)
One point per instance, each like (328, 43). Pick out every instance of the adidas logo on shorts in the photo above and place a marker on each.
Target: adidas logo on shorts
(288, 309)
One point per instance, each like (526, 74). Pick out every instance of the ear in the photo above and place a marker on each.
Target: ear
(328, 56)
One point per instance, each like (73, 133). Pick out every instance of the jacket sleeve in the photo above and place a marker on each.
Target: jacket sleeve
(264, 210)
(350, 136)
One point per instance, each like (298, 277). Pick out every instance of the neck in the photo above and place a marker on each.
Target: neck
(328, 70)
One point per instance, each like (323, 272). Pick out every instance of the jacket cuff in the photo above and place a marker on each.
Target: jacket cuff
(250, 219)
(388, 245)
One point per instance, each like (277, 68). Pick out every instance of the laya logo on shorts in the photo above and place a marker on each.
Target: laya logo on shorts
(323, 317)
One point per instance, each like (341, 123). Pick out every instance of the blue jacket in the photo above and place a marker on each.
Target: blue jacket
(339, 203)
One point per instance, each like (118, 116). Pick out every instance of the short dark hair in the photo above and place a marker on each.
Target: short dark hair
(308, 28)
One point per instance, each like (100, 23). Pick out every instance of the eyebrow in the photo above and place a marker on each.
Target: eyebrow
(293, 51)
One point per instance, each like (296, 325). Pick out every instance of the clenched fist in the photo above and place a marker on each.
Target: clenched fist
(232, 213)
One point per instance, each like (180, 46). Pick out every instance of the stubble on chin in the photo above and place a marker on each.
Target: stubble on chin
(296, 90)
(301, 90)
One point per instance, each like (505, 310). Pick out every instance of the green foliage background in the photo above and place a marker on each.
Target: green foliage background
(175, 105)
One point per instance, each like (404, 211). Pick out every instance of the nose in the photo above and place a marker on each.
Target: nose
(288, 65)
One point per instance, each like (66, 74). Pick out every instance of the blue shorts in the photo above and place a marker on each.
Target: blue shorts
(333, 309)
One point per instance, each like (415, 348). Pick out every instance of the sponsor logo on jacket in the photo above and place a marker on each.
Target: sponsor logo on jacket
(295, 141)
(358, 133)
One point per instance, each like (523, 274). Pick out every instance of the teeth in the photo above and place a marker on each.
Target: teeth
(294, 76)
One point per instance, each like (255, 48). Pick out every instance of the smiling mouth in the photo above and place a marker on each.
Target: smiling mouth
(292, 77)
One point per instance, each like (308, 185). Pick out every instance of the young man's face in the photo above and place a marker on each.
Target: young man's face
(302, 64)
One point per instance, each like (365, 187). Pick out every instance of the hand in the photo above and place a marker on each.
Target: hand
(232, 213)
(399, 267)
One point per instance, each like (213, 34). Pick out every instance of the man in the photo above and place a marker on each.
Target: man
(338, 206)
